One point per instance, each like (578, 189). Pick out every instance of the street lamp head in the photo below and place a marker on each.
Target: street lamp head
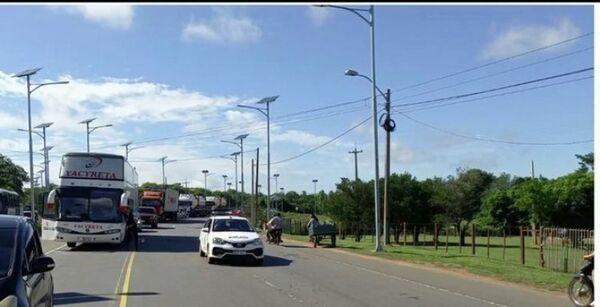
(225, 176)
(127, 144)
(24, 130)
(315, 180)
(104, 126)
(275, 175)
(48, 148)
(205, 171)
(27, 72)
(241, 136)
(236, 153)
(163, 158)
(87, 121)
(351, 73)
(43, 125)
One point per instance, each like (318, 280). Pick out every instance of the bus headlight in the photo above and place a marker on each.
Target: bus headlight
(111, 231)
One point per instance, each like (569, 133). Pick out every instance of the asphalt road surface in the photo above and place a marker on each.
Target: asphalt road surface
(168, 271)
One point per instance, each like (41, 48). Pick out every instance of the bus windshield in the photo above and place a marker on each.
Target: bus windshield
(150, 202)
(89, 204)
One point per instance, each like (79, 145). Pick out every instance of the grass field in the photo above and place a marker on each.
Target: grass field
(503, 263)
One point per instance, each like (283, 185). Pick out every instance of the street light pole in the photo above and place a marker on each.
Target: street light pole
(89, 131)
(371, 23)
(267, 101)
(224, 182)
(28, 73)
(205, 172)
(315, 197)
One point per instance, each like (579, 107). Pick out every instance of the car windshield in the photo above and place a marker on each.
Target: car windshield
(89, 204)
(150, 202)
(146, 210)
(7, 250)
(231, 225)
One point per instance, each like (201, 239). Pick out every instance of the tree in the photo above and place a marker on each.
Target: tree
(409, 202)
(12, 176)
(468, 188)
(573, 195)
(586, 162)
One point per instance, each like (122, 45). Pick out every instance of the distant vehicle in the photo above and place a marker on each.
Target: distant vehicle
(164, 201)
(186, 203)
(215, 202)
(93, 191)
(9, 202)
(25, 278)
(202, 209)
(148, 216)
(221, 211)
(230, 236)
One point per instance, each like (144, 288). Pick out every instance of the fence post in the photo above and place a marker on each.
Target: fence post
(435, 236)
(415, 235)
(522, 244)
(473, 238)
(488, 242)
(542, 262)
(460, 243)
(404, 231)
(504, 243)
(446, 239)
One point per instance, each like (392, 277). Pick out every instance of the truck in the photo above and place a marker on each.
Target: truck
(94, 189)
(214, 202)
(164, 201)
(186, 203)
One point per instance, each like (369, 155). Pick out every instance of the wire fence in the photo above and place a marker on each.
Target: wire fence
(558, 249)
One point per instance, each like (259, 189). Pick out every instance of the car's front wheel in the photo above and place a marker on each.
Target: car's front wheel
(258, 261)
(202, 253)
(71, 244)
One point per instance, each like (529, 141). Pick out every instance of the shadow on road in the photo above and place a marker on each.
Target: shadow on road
(269, 261)
(98, 247)
(168, 244)
(66, 298)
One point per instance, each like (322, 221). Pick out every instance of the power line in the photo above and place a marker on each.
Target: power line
(494, 89)
(496, 140)
(322, 145)
(495, 62)
(417, 108)
(498, 73)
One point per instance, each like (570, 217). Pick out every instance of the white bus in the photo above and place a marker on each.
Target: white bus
(86, 206)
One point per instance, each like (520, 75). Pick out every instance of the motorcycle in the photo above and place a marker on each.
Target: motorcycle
(581, 287)
(274, 237)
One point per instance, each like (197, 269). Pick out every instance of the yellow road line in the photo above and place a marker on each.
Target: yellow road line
(125, 290)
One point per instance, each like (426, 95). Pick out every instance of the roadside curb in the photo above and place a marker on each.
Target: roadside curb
(432, 268)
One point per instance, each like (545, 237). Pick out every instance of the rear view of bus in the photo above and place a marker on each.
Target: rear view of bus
(86, 207)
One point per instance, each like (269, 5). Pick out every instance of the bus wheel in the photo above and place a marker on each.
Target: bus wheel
(71, 244)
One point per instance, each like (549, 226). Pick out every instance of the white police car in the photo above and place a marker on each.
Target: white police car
(228, 236)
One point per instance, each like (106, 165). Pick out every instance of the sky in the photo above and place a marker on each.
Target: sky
(169, 78)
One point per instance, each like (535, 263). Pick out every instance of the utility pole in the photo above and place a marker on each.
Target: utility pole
(256, 188)
(388, 125)
(163, 170)
(532, 170)
(205, 172)
(224, 183)
(355, 152)
(185, 183)
(315, 197)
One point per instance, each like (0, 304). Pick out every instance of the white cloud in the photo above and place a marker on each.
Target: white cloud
(114, 16)
(517, 39)
(223, 27)
(300, 138)
(317, 15)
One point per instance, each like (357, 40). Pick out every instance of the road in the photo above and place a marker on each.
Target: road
(167, 271)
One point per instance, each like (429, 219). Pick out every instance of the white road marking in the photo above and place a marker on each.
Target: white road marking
(52, 251)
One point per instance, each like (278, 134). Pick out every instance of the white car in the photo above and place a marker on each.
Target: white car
(228, 236)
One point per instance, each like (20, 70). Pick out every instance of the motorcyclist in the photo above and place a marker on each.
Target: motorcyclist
(589, 267)
(275, 226)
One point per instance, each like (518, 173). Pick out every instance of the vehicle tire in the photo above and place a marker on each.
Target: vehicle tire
(259, 261)
(581, 291)
(212, 260)
(71, 244)
(202, 253)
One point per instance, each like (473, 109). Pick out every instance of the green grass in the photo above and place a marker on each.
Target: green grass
(508, 269)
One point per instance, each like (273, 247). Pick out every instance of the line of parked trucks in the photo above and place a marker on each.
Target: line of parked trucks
(162, 205)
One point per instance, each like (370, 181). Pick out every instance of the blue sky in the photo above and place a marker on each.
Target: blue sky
(165, 71)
